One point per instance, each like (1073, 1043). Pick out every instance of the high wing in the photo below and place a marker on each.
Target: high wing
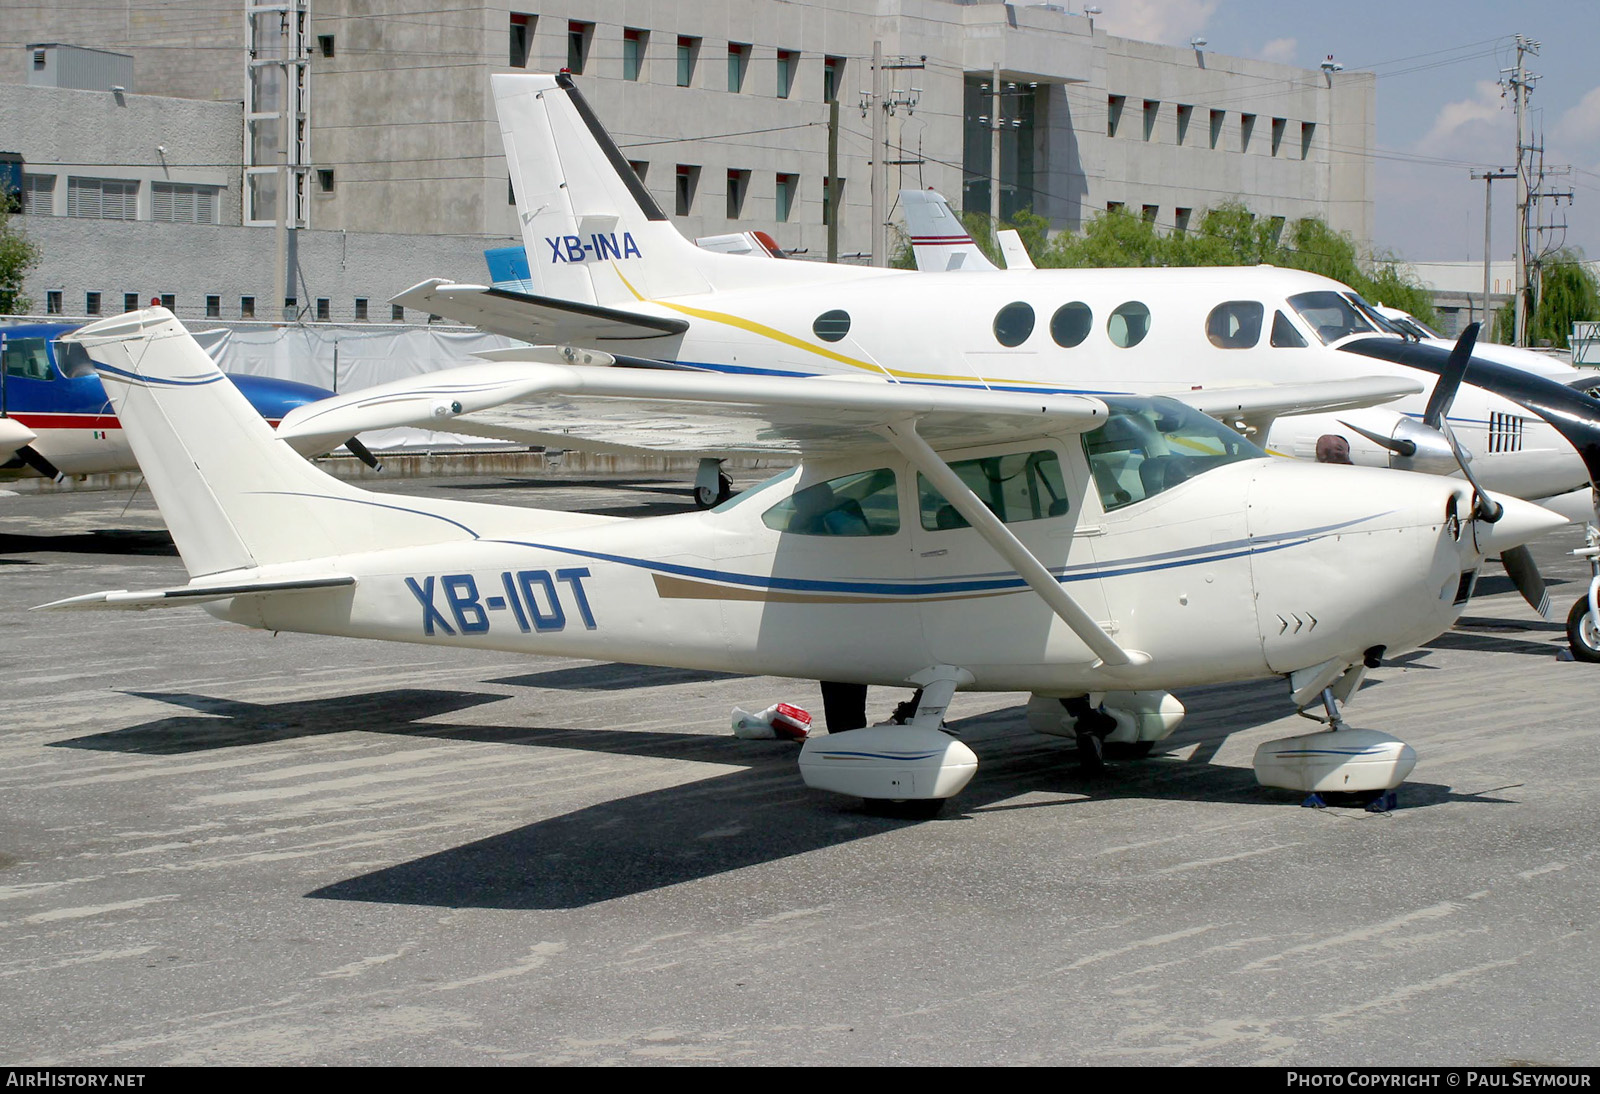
(683, 412)
(538, 319)
(537, 399)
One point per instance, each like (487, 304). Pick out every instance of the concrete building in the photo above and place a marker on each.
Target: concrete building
(721, 106)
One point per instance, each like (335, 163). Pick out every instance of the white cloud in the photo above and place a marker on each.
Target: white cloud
(1581, 124)
(1168, 21)
(1463, 126)
(1281, 50)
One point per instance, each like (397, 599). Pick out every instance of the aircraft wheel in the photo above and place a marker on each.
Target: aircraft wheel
(905, 808)
(704, 498)
(1583, 632)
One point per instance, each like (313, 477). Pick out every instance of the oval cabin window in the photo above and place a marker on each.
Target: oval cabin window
(1128, 324)
(1235, 324)
(831, 326)
(1013, 324)
(1071, 323)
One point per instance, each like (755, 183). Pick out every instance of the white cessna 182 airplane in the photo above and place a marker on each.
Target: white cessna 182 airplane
(930, 536)
(610, 272)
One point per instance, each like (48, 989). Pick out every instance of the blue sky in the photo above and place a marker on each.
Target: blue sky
(1440, 112)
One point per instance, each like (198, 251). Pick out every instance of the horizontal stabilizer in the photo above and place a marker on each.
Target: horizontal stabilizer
(143, 599)
(690, 413)
(1257, 407)
(538, 319)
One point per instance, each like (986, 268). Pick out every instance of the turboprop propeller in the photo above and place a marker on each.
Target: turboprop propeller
(1572, 412)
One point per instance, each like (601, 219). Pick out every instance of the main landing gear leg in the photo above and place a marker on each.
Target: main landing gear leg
(712, 486)
(1092, 728)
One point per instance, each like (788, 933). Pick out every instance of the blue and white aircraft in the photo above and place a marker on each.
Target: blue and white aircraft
(1094, 551)
(55, 417)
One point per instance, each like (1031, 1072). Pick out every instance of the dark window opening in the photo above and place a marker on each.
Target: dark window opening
(738, 186)
(831, 326)
(579, 36)
(325, 43)
(688, 55)
(1071, 324)
(213, 307)
(361, 309)
(688, 182)
(521, 38)
(247, 307)
(1013, 324)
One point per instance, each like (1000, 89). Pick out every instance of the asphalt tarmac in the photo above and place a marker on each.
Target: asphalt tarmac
(218, 846)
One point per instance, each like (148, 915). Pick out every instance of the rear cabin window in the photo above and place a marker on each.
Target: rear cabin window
(1071, 323)
(1016, 487)
(1330, 315)
(1148, 446)
(864, 504)
(1235, 324)
(27, 357)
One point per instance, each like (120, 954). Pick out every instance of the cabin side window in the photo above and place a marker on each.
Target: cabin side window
(1071, 324)
(1284, 336)
(864, 504)
(28, 358)
(1128, 324)
(1016, 487)
(1235, 324)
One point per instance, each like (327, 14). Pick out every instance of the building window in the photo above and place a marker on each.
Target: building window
(325, 179)
(521, 38)
(247, 307)
(1278, 127)
(1180, 219)
(168, 301)
(1150, 212)
(634, 43)
(1114, 105)
(103, 199)
(1217, 118)
(52, 302)
(130, 301)
(91, 303)
(1247, 126)
(325, 43)
(1276, 228)
(39, 195)
(1307, 129)
(178, 203)
(1115, 206)
(213, 307)
(323, 309)
(832, 77)
(639, 167)
(1185, 115)
(738, 61)
(688, 54)
(361, 309)
(579, 35)
(827, 198)
(787, 184)
(397, 313)
(787, 60)
(738, 186)
(1152, 114)
(688, 182)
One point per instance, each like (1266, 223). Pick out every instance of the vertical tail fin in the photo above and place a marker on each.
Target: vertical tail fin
(592, 231)
(939, 241)
(233, 495)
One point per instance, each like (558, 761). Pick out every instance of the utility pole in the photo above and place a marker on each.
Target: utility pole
(1488, 178)
(833, 177)
(880, 162)
(994, 149)
(1519, 82)
(280, 275)
(882, 105)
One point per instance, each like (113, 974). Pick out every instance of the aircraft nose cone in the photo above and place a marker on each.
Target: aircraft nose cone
(1523, 521)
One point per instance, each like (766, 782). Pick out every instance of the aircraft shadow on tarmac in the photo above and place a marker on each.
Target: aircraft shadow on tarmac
(756, 811)
(108, 541)
(762, 813)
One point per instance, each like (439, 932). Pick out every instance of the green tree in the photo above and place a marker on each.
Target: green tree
(17, 256)
(1568, 293)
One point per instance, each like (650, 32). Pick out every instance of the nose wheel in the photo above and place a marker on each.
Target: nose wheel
(1583, 632)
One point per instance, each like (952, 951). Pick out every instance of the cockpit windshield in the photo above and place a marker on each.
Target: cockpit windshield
(1372, 314)
(1330, 315)
(1148, 446)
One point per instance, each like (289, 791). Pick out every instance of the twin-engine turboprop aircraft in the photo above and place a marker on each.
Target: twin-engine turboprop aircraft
(930, 536)
(608, 271)
(56, 420)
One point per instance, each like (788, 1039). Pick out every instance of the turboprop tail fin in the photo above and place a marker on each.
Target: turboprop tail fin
(234, 496)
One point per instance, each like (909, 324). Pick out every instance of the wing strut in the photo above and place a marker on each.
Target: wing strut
(903, 435)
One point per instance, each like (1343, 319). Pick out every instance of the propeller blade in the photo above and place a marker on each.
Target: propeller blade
(1524, 574)
(1398, 445)
(1444, 392)
(1484, 507)
(363, 453)
(30, 456)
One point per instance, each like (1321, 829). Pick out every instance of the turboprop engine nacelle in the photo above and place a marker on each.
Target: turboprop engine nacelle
(1429, 452)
